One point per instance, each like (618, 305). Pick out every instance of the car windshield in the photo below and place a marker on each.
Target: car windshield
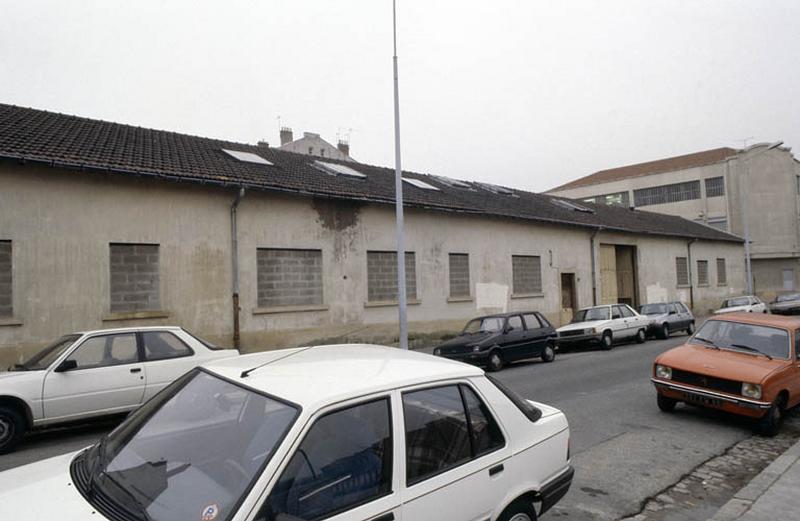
(192, 451)
(585, 315)
(484, 325)
(653, 309)
(738, 301)
(43, 358)
(748, 338)
(788, 298)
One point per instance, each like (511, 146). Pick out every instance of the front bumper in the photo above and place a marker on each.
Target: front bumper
(470, 357)
(711, 399)
(555, 489)
(592, 338)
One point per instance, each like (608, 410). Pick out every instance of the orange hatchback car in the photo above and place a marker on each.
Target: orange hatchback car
(741, 363)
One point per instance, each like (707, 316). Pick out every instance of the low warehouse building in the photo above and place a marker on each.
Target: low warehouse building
(108, 225)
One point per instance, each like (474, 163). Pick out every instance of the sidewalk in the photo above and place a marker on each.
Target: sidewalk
(770, 496)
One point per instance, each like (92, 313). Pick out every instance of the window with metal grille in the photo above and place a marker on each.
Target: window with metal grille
(682, 270)
(459, 275)
(667, 193)
(134, 277)
(720, 223)
(715, 186)
(615, 199)
(382, 276)
(6, 302)
(722, 272)
(526, 274)
(288, 277)
(702, 273)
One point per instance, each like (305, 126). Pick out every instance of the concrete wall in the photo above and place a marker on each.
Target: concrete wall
(61, 224)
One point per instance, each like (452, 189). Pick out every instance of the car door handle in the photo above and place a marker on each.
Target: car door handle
(496, 470)
(385, 517)
(136, 370)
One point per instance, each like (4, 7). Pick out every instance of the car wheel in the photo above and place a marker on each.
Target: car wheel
(519, 510)
(607, 341)
(770, 423)
(496, 361)
(12, 427)
(640, 336)
(549, 354)
(690, 329)
(665, 403)
(663, 332)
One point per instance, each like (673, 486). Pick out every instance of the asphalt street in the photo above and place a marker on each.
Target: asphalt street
(624, 449)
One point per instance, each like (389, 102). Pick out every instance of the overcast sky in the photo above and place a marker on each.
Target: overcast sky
(524, 93)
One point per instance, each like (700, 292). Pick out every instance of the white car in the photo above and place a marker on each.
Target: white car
(747, 304)
(95, 373)
(604, 325)
(342, 433)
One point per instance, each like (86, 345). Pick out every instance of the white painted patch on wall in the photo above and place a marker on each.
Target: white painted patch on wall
(656, 293)
(683, 295)
(491, 296)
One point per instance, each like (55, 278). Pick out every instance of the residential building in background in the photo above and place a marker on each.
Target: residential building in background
(140, 230)
(713, 187)
(312, 144)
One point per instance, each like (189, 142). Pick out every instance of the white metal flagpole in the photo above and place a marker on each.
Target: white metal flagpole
(398, 186)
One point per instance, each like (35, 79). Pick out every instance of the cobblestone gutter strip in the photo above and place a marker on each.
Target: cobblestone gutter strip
(713, 485)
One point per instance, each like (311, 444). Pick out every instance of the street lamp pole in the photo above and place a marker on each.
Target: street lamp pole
(398, 187)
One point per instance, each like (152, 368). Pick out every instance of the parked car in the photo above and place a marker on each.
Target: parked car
(95, 373)
(604, 325)
(668, 317)
(495, 340)
(788, 304)
(739, 362)
(394, 435)
(747, 303)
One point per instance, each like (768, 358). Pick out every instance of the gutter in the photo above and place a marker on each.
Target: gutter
(689, 272)
(235, 266)
(593, 250)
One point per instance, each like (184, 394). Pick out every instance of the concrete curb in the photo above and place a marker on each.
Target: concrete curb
(744, 499)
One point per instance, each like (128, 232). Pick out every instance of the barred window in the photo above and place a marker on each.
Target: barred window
(6, 302)
(288, 277)
(702, 273)
(615, 199)
(720, 223)
(722, 272)
(715, 186)
(459, 275)
(682, 269)
(667, 193)
(134, 277)
(526, 274)
(382, 276)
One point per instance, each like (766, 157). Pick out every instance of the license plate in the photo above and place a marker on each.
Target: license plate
(702, 400)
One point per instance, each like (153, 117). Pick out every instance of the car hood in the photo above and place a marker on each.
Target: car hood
(15, 378)
(583, 325)
(785, 305)
(462, 340)
(732, 310)
(721, 363)
(43, 491)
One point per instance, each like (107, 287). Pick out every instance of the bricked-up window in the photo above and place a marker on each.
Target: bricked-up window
(459, 275)
(702, 273)
(667, 193)
(526, 272)
(382, 276)
(134, 277)
(715, 186)
(6, 305)
(289, 277)
(722, 272)
(682, 269)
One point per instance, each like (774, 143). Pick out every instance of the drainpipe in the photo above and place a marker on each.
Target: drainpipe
(689, 272)
(235, 267)
(594, 264)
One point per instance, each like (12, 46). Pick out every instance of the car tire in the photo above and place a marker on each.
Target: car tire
(12, 427)
(607, 341)
(519, 510)
(641, 336)
(770, 424)
(663, 331)
(495, 362)
(690, 329)
(665, 403)
(549, 353)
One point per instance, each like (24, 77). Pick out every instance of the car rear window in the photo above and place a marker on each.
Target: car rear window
(527, 408)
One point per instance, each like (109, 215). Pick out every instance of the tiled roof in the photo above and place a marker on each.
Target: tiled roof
(670, 164)
(78, 143)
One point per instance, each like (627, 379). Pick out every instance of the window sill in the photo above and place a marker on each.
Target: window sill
(702, 285)
(722, 284)
(390, 303)
(460, 299)
(135, 315)
(289, 309)
(684, 286)
(10, 321)
(527, 295)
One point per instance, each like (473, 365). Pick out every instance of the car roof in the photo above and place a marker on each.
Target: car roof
(127, 330)
(764, 319)
(319, 375)
(504, 315)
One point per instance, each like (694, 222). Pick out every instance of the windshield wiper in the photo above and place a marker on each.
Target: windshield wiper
(710, 343)
(140, 509)
(753, 349)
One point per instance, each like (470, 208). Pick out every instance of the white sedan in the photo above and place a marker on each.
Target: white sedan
(95, 373)
(342, 433)
(746, 304)
(604, 325)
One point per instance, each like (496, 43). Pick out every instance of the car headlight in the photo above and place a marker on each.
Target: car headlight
(663, 372)
(437, 351)
(475, 349)
(589, 331)
(751, 390)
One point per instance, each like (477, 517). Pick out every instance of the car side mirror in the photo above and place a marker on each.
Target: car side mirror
(509, 329)
(67, 365)
(673, 312)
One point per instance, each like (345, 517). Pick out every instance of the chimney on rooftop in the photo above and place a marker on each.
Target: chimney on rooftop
(263, 144)
(344, 147)
(286, 135)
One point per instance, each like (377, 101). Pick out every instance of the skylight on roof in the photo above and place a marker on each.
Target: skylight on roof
(454, 183)
(419, 184)
(495, 189)
(247, 157)
(337, 169)
(569, 205)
